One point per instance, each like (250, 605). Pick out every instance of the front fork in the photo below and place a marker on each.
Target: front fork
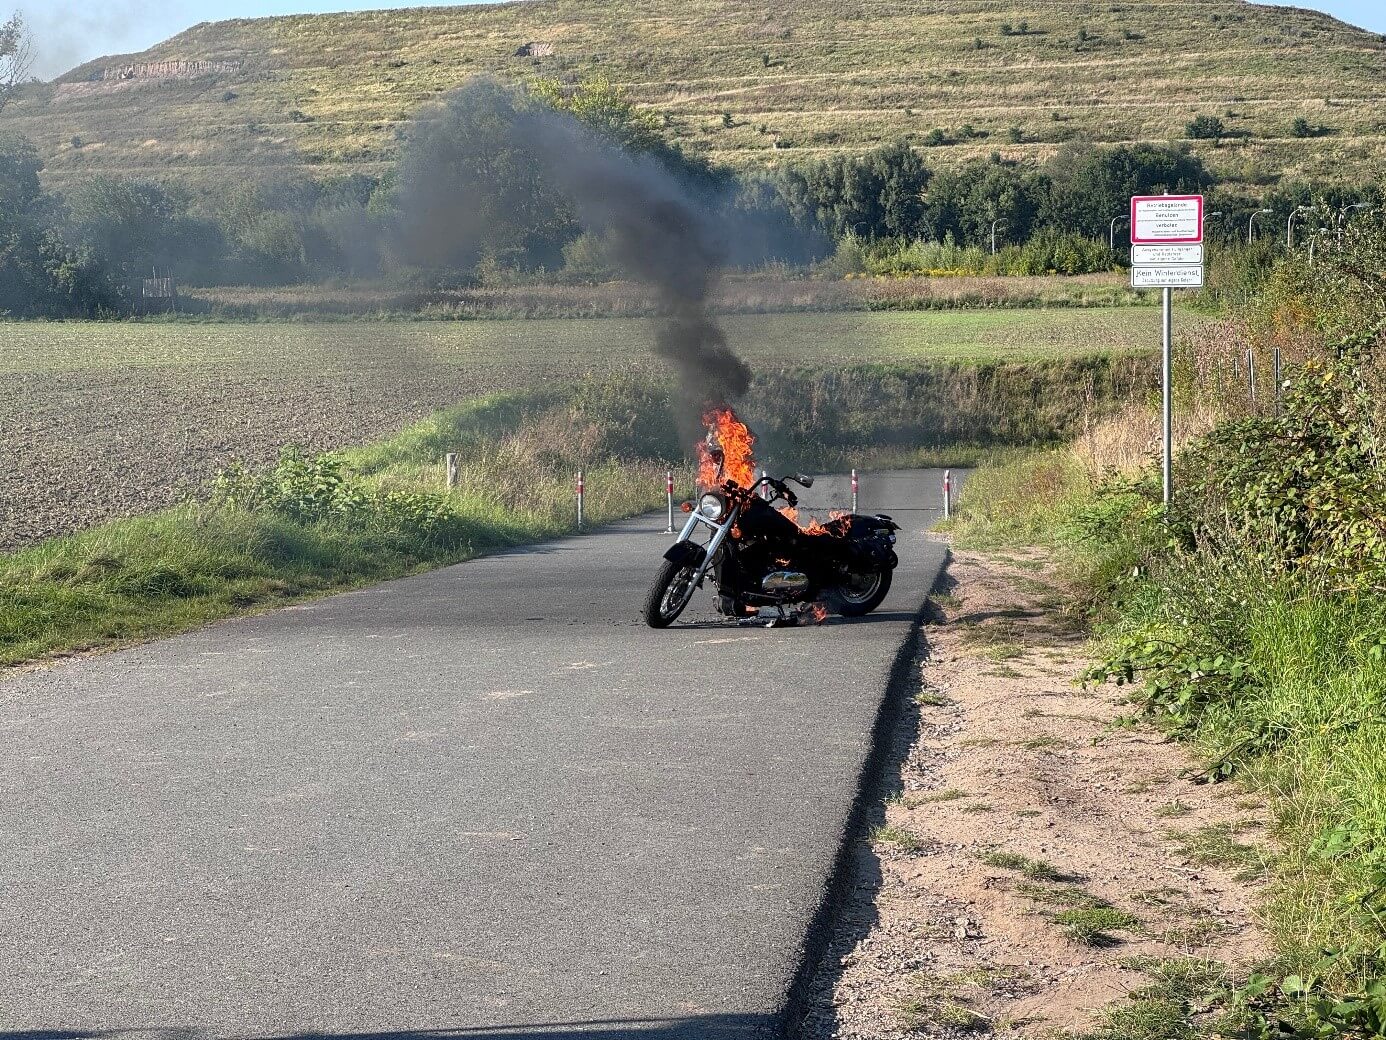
(719, 535)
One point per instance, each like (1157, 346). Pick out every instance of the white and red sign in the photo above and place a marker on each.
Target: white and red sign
(1166, 219)
(1167, 241)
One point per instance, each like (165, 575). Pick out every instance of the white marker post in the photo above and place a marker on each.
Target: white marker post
(854, 490)
(1167, 254)
(669, 488)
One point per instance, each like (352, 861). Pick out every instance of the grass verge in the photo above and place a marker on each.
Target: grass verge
(1252, 627)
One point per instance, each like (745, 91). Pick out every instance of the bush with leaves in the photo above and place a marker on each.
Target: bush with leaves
(320, 490)
(1306, 490)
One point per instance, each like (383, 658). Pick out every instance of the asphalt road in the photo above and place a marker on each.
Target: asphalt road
(485, 800)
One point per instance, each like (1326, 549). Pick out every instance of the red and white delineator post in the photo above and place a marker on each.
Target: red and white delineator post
(581, 491)
(855, 487)
(947, 494)
(669, 490)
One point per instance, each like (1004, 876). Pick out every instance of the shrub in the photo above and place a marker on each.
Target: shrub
(1306, 491)
(318, 490)
(1204, 128)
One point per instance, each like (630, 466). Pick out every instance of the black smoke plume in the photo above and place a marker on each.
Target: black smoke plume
(490, 163)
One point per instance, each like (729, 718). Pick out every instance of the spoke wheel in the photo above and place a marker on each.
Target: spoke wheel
(669, 594)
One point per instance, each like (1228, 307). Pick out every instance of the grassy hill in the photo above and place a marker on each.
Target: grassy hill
(747, 81)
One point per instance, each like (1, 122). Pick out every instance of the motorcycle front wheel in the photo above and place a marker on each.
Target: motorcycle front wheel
(670, 593)
(861, 593)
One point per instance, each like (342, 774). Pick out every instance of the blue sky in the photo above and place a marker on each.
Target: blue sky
(69, 32)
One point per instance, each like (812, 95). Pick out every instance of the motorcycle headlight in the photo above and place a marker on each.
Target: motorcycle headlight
(711, 506)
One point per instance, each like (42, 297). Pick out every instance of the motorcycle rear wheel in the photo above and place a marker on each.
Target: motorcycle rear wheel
(669, 594)
(863, 596)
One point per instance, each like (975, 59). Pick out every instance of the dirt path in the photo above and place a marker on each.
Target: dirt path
(1038, 850)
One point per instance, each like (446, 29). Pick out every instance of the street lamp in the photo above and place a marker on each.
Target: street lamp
(1313, 239)
(1111, 232)
(1290, 224)
(1251, 224)
(993, 235)
(1210, 216)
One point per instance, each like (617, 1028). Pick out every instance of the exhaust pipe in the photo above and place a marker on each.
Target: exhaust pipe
(784, 581)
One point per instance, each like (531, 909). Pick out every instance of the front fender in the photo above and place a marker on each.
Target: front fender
(689, 553)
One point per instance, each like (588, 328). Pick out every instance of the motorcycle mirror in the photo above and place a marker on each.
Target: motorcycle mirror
(804, 479)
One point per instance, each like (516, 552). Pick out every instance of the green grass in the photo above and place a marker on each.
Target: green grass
(1080, 916)
(770, 292)
(951, 794)
(1216, 845)
(1092, 925)
(333, 93)
(509, 355)
(1166, 1007)
(897, 837)
(1036, 869)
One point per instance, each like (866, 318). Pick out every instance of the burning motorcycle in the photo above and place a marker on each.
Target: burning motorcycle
(758, 555)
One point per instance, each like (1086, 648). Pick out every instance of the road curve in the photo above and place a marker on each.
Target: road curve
(485, 800)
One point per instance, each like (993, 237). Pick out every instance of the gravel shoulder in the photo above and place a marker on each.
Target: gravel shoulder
(1035, 847)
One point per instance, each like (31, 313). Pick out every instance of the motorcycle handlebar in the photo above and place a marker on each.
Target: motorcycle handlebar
(779, 487)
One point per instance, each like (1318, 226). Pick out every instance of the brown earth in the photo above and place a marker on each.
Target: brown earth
(947, 930)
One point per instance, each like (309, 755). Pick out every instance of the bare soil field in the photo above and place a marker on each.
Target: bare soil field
(1041, 858)
(102, 420)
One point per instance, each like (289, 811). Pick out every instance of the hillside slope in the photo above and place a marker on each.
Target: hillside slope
(747, 81)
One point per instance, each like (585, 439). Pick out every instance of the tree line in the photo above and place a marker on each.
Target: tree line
(465, 202)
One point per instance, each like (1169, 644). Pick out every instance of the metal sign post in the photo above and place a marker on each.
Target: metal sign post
(1167, 254)
(1167, 394)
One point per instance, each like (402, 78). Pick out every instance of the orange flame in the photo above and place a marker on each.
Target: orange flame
(810, 526)
(728, 452)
